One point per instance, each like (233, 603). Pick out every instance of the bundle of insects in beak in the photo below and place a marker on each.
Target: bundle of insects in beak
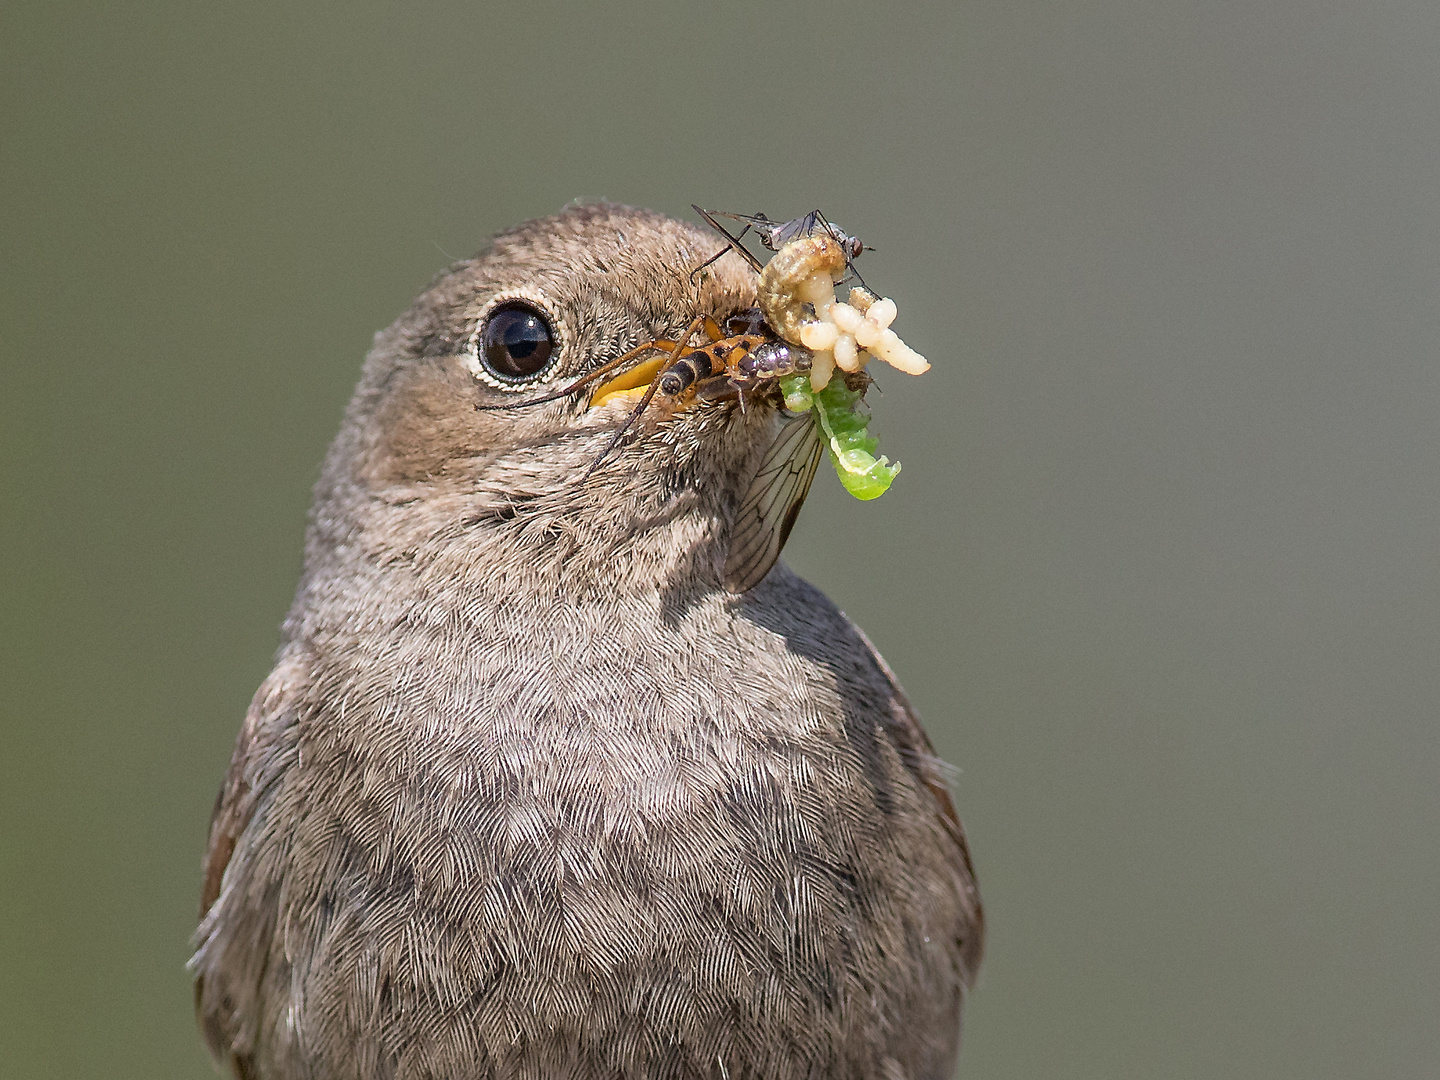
(798, 339)
(796, 294)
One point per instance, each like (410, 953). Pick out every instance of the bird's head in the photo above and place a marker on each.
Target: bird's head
(447, 460)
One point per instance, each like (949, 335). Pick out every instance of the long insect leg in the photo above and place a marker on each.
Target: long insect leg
(695, 324)
(658, 345)
(849, 262)
(732, 242)
(853, 273)
(710, 260)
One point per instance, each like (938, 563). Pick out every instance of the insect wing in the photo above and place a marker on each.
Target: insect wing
(783, 233)
(775, 234)
(754, 221)
(772, 502)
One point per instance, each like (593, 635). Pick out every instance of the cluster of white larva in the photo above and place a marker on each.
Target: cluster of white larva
(847, 335)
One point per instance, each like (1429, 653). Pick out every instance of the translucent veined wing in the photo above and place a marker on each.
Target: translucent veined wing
(774, 234)
(772, 502)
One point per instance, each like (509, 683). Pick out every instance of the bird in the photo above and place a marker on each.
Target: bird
(529, 792)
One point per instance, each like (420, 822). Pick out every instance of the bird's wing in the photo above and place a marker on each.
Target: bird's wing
(234, 804)
(772, 502)
(256, 754)
(253, 767)
(918, 753)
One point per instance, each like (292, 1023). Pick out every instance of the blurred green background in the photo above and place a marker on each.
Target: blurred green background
(1161, 573)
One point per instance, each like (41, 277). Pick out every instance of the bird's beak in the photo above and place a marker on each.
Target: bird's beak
(630, 385)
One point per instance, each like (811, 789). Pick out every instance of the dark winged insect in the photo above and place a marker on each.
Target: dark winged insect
(774, 235)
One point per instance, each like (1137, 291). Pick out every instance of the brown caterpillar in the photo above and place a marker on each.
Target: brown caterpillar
(779, 294)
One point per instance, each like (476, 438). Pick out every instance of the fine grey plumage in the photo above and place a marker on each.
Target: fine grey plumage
(528, 793)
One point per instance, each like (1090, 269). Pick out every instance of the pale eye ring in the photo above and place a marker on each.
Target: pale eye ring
(515, 344)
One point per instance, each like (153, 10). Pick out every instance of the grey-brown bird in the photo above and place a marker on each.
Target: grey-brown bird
(531, 793)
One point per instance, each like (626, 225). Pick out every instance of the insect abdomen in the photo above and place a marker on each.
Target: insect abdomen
(686, 372)
(774, 359)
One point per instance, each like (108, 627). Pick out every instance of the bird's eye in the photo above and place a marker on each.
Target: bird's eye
(516, 343)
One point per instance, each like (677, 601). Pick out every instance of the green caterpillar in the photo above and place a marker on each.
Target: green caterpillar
(852, 448)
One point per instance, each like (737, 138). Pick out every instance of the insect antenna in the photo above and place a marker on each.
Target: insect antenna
(658, 345)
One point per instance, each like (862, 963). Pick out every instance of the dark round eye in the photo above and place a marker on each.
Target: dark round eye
(516, 344)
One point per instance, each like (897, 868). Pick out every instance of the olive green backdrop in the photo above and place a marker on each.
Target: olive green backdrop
(1161, 572)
